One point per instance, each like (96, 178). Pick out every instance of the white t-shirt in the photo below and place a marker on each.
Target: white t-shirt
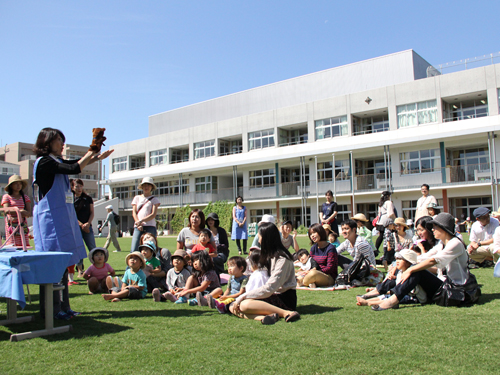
(496, 240)
(454, 259)
(256, 280)
(422, 204)
(147, 208)
(480, 233)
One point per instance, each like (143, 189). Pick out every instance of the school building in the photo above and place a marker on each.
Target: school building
(388, 123)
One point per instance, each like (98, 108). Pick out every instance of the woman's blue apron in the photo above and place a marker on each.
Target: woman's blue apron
(55, 226)
(237, 232)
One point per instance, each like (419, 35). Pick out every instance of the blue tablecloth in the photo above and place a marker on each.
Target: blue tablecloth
(32, 267)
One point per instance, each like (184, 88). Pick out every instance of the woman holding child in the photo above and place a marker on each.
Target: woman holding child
(277, 298)
(189, 237)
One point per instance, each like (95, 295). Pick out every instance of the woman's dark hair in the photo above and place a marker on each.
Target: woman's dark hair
(302, 252)
(236, 200)
(216, 222)
(78, 181)
(329, 192)
(271, 246)
(386, 195)
(318, 228)
(432, 240)
(206, 263)
(254, 258)
(10, 191)
(45, 137)
(238, 262)
(200, 214)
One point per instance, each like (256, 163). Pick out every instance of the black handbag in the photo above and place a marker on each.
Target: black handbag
(355, 270)
(451, 294)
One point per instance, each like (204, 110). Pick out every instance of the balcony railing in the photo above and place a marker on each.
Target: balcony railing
(378, 128)
(467, 115)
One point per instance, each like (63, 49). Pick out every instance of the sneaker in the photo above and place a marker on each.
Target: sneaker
(192, 302)
(61, 315)
(210, 301)
(72, 313)
(117, 251)
(170, 297)
(156, 295)
(201, 300)
(181, 300)
(73, 283)
(220, 307)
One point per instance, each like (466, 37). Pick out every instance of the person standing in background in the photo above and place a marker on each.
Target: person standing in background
(113, 228)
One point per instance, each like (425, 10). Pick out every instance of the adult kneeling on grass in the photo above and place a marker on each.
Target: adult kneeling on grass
(277, 298)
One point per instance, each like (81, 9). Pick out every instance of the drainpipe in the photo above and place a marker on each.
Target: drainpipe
(180, 189)
(334, 179)
(351, 162)
(491, 171)
(317, 192)
(494, 152)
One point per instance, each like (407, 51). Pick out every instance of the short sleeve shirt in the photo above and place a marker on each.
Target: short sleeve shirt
(147, 208)
(212, 277)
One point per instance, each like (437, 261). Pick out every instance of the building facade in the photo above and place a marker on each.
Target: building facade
(359, 129)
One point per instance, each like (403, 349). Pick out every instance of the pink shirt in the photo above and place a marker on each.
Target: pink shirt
(147, 208)
(99, 273)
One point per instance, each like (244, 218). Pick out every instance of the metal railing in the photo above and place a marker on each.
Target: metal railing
(385, 127)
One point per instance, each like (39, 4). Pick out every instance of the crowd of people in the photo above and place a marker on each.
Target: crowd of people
(263, 285)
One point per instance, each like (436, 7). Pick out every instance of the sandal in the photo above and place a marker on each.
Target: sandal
(292, 317)
(270, 319)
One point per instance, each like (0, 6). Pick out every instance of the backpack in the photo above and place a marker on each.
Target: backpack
(355, 270)
(117, 218)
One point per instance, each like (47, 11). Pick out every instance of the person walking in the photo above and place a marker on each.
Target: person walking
(113, 228)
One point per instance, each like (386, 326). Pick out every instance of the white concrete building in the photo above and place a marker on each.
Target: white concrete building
(382, 123)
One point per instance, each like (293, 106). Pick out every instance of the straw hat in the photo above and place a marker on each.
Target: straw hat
(147, 180)
(328, 228)
(105, 251)
(360, 217)
(401, 221)
(139, 255)
(16, 178)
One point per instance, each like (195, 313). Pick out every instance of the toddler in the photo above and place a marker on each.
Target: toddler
(205, 243)
(176, 278)
(333, 239)
(133, 285)
(307, 263)
(204, 282)
(389, 243)
(153, 264)
(236, 267)
(97, 273)
(248, 271)
(259, 276)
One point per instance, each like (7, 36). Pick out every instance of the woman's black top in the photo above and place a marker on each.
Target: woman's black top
(48, 168)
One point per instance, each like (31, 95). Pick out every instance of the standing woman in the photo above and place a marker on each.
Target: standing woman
(328, 214)
(15, 197)
(144, 208)
(55, 225)
(385, 212)
(239, 230)
(84, 208)
(277, 298)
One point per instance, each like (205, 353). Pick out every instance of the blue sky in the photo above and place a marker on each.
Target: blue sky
(75, 65)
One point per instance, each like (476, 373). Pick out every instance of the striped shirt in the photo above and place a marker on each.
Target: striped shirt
(326, 258)
(19, 203)
(361, 247)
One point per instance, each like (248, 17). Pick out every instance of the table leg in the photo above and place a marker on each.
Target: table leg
(12, 314)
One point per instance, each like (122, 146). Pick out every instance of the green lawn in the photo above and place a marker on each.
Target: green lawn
(334, 336)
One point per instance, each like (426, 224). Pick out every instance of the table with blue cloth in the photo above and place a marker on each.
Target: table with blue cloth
(19, 267)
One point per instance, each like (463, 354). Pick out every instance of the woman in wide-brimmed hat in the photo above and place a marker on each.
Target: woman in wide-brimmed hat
(403, 238)
(363, 231)
(15, 197)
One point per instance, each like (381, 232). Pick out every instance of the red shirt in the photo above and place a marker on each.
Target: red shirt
(200, 247)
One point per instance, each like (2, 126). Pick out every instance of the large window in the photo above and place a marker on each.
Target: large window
(9, 170)
(370, 125)
(331, 127)
(292, 137)
(261, 139)
(422, 161)
(123, 192)
(230, 147)
(137, 162)
(206, 184)
(295, 215)
(462, 208)
(179, 156)
(256, 215)
(417, 113)
(467, 109)
(158, 157)
(172, 187)
(204, 149)
(262, 178)
(120, 164)
(325, 171)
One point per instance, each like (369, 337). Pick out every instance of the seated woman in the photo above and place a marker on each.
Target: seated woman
(277, 298)
(452, 258)
(325, 254)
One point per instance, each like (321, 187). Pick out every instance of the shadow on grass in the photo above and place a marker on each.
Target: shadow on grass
(166, 313)
(487, 298)
(316, 309)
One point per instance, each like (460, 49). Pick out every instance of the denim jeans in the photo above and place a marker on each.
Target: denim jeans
(89, 240)
(137, 236)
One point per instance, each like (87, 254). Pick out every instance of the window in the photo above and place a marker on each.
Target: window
(293, 175)
(262, 178)
(417, 113)
(467, 109)
(206, 184)
(471, 164)
(423, 161)
(344, 213)
(462, 208)
(120, 164)
(137, 162)
(172, 187)
(331, 127)
(230, 147)
(256, 215)
(123, 192)
(292, 137)
(158, 157)
(342, 171)
(295, 215)
(9, 171)
(204, 149)
(370, 125)
(179, 156)
(261, 139)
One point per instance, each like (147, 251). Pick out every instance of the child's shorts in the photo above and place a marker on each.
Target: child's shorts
(134, 293)
(227, 301)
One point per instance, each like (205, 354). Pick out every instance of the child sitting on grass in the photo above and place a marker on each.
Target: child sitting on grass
(307, 263)
(133, 285)
(333, 239)
(205, 243)
(236, 267)
(259, 275)
(98, 271)
(204, 282)
(176, 278)
(248, 271)
(404, 260)
(153, 264)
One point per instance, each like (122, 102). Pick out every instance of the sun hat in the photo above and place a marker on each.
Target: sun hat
(147, 180)
(149, 245)
(481, 211)
(214, 217)
(104, 250)
(179, 254)
(496, 213)
(401, 221)
(443, 220)
(109, 207)
(408, 255)
(328, 228)
(267, 219)
(360, 217)
(388, 222)
(432, 205)
(16, 178)
(139, 255)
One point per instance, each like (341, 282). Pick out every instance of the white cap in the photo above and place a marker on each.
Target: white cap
(267, 219)
(109, 207)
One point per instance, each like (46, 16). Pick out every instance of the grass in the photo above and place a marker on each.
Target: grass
(334, 336)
